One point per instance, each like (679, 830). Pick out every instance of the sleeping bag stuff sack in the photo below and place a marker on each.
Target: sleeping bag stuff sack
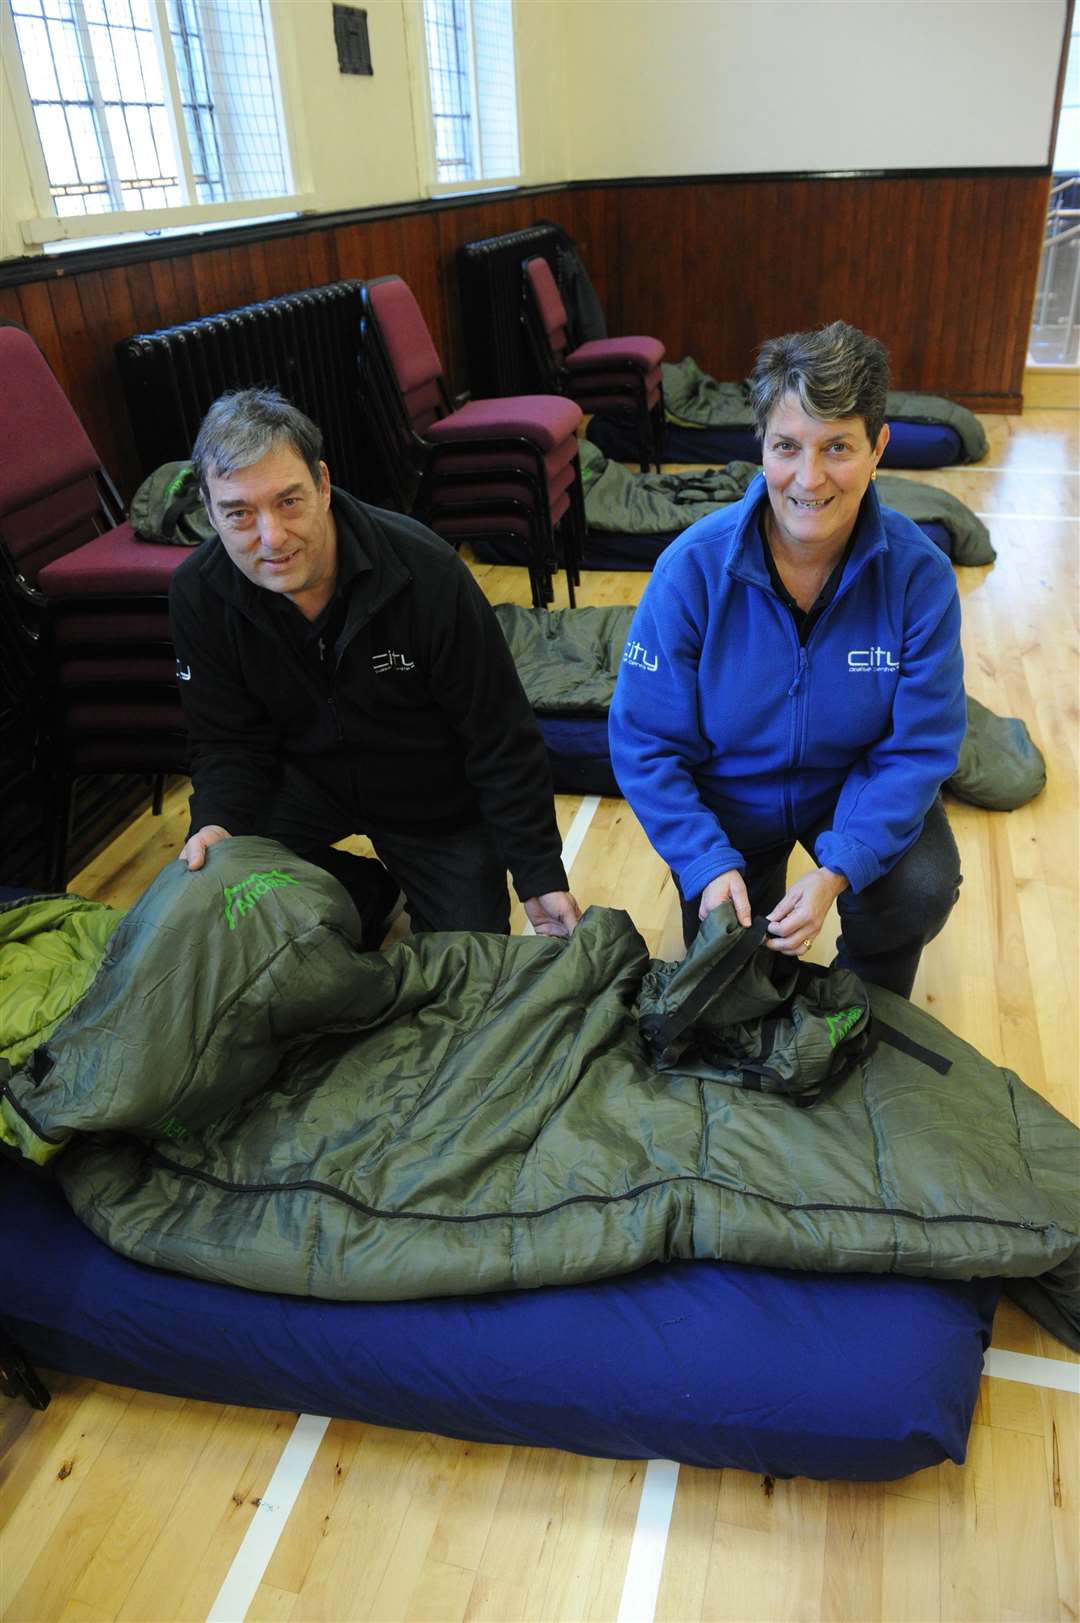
(244, 1095)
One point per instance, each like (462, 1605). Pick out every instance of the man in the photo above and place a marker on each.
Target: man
(341, 672)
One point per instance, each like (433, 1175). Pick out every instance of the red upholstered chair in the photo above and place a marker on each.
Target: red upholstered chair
(619, 375)
(506, 467)
(93, 596)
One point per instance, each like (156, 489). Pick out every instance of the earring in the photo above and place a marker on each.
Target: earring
(873, 476)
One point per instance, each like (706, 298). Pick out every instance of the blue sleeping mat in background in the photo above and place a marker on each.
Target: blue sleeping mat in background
(640, 552)
(834, 1376)
(911, 445)
(579, 755)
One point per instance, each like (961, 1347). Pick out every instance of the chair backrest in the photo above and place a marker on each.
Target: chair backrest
(409, 348)
(51, 498)
(548, 305)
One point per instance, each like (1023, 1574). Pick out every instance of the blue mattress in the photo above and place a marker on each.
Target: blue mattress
(830, 1376)
(578, 752)
(911, 445)
(640, 552)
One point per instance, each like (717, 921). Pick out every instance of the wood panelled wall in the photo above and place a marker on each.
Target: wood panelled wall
(941, 267)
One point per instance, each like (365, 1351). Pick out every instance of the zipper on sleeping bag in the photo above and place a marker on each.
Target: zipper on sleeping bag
(316, 1186)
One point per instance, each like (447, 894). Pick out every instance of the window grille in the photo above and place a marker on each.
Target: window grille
(1055, 327)
(138, 107)
(470, 52)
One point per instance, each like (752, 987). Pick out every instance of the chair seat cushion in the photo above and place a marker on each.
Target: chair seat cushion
(463, 458)
(93, 627)
(545, 419)
(640, 351)
(112, 565)
(115, 669)
(600, 396)
(462, 493)
(494, 523)
(615, 380)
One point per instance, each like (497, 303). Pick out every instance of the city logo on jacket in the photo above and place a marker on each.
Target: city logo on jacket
(872, 659)
(390, 660)
(635, 653)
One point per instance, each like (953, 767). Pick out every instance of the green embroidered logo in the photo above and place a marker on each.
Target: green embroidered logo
(177, 483)
(840, 1024)
(241, 898)
(174, 1129)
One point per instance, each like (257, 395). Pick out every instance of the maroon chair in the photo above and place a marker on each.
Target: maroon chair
(506, 467)
(94, 597)
(618, 375)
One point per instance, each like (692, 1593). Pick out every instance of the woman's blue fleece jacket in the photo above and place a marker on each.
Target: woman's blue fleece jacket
(727, 736)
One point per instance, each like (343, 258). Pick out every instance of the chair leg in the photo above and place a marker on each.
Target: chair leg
(18, 1379)
(158, 796)
(659, 422)
(60, 833)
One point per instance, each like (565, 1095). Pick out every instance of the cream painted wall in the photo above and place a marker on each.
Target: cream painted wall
(541, 29)
(355, 145)
(749, 86)
(16, 193)
(357, 141)
(638, 87)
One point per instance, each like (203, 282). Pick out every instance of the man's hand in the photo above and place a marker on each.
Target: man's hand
(726, 887)
(195, 849)
(795, 922)
(555, 913)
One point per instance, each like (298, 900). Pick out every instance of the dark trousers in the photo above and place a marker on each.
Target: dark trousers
(886, 926)
(453, 880)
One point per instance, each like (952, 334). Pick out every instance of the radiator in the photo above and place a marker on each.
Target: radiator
(305, 344)
(497, 350)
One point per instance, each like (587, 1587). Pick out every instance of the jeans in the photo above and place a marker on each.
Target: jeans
(453, 879)
(886, 926)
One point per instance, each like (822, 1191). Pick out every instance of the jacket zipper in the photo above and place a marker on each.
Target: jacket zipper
(797, 691)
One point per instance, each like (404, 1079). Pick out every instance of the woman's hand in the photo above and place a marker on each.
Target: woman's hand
(729, 886)
(795, 922)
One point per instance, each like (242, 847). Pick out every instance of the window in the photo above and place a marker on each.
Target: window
(470, 57)
(1055, 328)
(147, 105)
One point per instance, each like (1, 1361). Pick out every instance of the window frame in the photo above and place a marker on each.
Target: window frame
(74, 230)
(424, 113)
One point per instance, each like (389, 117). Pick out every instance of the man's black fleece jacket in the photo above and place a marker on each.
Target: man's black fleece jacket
(421, 703)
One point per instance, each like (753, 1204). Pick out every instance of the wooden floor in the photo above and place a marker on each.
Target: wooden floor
(121, 1504)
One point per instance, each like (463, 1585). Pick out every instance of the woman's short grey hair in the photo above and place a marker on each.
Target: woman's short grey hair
(242, 426)
(834, 371)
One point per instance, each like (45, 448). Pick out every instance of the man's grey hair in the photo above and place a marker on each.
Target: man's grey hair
(242, 426)
(834, 371)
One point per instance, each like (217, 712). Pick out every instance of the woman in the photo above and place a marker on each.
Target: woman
(794, 674)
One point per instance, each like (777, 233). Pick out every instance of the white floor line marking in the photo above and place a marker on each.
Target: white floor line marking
(1014, 1366)
(575, 839)
(642, 1582)
(260, 1541)
(1038, 518)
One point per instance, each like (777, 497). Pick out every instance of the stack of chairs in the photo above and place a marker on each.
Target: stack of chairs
(493, 468)
(617, 375)
(93, 597)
